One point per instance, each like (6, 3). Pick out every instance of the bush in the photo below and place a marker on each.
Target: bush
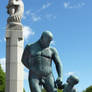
(2, 80)
(43, 90)
(89, 89)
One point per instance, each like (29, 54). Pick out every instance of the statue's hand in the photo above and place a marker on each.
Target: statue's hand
(58, 83)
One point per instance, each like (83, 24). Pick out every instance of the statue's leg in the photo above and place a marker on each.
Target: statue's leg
(34, 83)
(49, 84)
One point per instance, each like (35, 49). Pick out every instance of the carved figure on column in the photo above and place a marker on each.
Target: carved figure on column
(15, 10)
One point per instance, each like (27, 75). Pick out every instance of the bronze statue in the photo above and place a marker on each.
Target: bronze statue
(37, 57)
(71, 82)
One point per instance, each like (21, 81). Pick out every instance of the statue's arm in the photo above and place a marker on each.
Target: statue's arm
(58, 63)
(25, 56)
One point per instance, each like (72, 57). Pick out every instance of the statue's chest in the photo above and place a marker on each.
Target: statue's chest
(38, 52)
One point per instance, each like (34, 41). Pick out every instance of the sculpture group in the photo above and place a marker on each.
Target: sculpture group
(38, 57)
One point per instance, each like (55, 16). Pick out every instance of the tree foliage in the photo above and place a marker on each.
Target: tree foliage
(43, 90)
(60, 90)
(2, 80)
(24, 90)
(89, 89)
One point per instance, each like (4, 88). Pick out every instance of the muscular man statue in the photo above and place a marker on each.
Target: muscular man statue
(37, 57)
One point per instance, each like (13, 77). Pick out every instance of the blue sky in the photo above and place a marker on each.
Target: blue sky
(70, 21)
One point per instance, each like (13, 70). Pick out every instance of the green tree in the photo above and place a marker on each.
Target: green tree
(2, 80)
(60, 90)
(89, 89)
(24, 90)
(43, 90)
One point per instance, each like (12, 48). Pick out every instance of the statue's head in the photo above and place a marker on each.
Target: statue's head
(73, 80)
(46, 38)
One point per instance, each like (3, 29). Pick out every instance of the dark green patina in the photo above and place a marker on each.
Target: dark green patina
(38, 57)
(71, 82)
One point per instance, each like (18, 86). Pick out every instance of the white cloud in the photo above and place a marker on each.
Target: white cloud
(5, 39)
(36, 15)
(50, 16)
(33, 15)
(25, 75)
(35, 18)
(3, 63)
(44, 6)
(66, 4)
(70, 5)
(53, 42)
(70, 73)
(2, 39)
(27, 12)
(24, 17)
(81, 5)
(27, 31)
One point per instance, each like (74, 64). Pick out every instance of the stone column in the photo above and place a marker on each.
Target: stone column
(14, 47)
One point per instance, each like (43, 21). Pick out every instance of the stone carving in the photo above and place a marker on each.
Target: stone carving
(37, 57)
(71, 82)
(15, 10)
(14, 47)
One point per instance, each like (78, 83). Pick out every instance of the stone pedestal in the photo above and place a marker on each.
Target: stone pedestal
(14, 50)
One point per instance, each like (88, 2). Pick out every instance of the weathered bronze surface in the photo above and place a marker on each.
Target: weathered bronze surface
(38, 57)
